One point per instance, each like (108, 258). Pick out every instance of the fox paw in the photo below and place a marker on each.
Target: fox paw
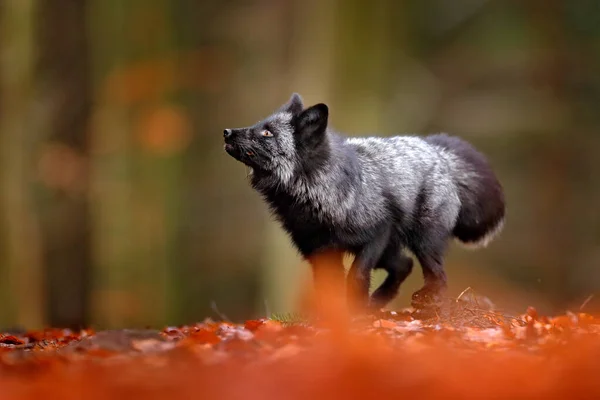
(427, 297)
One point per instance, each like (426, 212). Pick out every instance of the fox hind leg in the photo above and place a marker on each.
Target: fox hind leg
(430, 254)
(398, 267)
(397, 274)
(359, 275)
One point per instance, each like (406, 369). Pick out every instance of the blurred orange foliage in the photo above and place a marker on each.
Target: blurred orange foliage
(163, 130)
(381, 355)
(227, 361)
(204, 69)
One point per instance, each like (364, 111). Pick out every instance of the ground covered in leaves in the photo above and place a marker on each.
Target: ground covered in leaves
(464, 352)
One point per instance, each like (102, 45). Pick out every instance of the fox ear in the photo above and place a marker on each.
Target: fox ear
(294, 105)
(313, 120)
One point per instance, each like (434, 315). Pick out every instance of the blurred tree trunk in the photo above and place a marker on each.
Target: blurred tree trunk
(110, 169)
(195, 266)
(137, 138)
(363, 72)
(64, 74)
(238, 76)
(554, 186)
(331, 63)
(309, 70)
(21, 264)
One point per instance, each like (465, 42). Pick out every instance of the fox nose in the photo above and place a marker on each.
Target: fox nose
(227, 133)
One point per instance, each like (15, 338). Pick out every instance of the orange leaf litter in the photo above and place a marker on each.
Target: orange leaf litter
(389, 355)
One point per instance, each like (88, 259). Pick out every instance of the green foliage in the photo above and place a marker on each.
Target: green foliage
(288, 319)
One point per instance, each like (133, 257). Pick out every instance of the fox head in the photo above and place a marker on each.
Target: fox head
(282, 143)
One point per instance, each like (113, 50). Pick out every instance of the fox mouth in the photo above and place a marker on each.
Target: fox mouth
(233, 151)
(243, 155)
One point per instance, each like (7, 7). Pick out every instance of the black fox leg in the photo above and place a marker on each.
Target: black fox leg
(431, 260)
(435, 282)
(398, 267)
(359, 275)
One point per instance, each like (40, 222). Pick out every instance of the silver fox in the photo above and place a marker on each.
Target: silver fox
(372, 197)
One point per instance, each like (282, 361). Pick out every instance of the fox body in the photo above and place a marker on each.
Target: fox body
(373, 197)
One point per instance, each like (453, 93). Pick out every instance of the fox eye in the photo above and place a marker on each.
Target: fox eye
(266, 133)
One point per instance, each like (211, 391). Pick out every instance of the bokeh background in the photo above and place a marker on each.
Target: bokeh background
(118, 206)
